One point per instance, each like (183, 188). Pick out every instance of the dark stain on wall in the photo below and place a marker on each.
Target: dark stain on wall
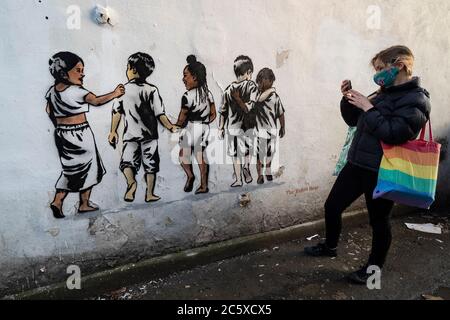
(444, 149)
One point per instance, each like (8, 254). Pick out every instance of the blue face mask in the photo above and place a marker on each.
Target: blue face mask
(386, 78)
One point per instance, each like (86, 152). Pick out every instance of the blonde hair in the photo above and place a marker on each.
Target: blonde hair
(396, 54)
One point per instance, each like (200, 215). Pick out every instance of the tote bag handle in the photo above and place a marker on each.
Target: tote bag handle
(422, 133)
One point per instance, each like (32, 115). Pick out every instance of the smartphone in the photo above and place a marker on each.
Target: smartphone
(349, 87)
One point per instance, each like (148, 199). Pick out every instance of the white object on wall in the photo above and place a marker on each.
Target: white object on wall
(104, 15)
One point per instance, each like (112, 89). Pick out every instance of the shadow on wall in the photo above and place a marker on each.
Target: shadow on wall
(443, 188)
(240, 193)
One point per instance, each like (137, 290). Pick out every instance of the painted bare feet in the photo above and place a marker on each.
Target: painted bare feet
(131, 192)
(189, 184)
(247, 175)
(202, 190)
(260, 180)
(152, 198)
(88, 207)
(57, 211)
(237, 184)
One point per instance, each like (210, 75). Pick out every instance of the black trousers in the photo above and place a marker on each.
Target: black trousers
(349, 186)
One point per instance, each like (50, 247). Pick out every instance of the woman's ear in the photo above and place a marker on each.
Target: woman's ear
(400, 66)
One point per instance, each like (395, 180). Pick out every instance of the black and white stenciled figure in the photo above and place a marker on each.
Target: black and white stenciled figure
(270, 123)
(238, 119)
(141, 109)
(198, 110)
(67, 104)
(240, 141)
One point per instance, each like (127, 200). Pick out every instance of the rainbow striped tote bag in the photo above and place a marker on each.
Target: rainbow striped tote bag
(408, 173)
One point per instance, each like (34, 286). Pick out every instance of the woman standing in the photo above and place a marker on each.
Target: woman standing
(394, 115)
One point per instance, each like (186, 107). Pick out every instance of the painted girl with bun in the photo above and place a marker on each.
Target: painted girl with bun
(198, 110)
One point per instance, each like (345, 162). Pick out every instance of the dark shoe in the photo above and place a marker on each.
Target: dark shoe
(247, 175)
(260, 180)
(321, 250)
(57, 213)
(189, 184)
(269, 177)
(359, 277)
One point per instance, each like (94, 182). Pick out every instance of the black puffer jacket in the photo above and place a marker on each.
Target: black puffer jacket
(399, 115)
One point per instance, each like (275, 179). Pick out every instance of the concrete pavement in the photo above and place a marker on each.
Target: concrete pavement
(419, 263)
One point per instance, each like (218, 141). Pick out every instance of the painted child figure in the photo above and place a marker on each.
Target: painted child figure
(197, 112)
(231, 119)
(68, 102)
(268, 113)
(141, 108)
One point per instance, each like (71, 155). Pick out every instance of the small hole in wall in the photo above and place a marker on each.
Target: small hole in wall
(46, 18)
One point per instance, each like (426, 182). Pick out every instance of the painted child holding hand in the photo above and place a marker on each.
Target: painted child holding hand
(142, 108)
(197, 112)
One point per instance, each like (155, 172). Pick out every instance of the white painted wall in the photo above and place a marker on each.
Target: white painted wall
(326, 41)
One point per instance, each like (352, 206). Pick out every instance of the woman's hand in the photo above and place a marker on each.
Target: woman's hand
(358, 100)
(345, 86)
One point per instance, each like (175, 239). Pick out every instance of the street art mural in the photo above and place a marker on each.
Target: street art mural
(141, 108)
(67, 105)
(198, 111)
(251, 120)
(248, 120)
(232, 126)
(270, 123)
(260, 123)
